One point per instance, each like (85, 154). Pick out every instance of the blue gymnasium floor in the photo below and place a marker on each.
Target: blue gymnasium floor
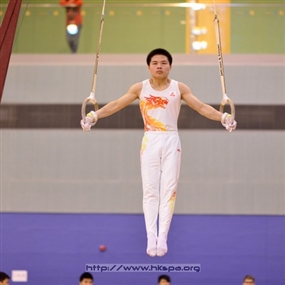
(54, 248)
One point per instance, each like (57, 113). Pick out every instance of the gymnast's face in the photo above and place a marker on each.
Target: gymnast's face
(159, 66)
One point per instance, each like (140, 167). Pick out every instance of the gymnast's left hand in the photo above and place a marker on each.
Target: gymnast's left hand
(228, 122)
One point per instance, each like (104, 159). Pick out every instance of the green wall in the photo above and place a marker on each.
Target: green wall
(257, 27)
(127, 29)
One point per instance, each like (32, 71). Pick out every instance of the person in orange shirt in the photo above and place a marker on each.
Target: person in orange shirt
(73, 22)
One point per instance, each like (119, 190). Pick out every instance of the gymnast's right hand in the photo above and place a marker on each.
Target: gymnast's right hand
(89, 121)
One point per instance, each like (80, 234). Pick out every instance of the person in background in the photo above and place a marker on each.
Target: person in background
(73, 22)
(86, 279)
(248, 280)
(164, 280)
(4, 278)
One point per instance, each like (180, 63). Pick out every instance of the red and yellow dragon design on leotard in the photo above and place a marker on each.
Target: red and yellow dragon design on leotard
(152, 102)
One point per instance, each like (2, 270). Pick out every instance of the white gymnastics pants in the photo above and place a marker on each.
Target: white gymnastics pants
(160, 169)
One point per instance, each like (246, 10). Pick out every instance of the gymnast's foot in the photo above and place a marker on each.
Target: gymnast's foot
(161, 245)
(151, 244)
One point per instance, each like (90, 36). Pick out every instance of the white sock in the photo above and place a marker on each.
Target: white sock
(161, 244)
(151, 244)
